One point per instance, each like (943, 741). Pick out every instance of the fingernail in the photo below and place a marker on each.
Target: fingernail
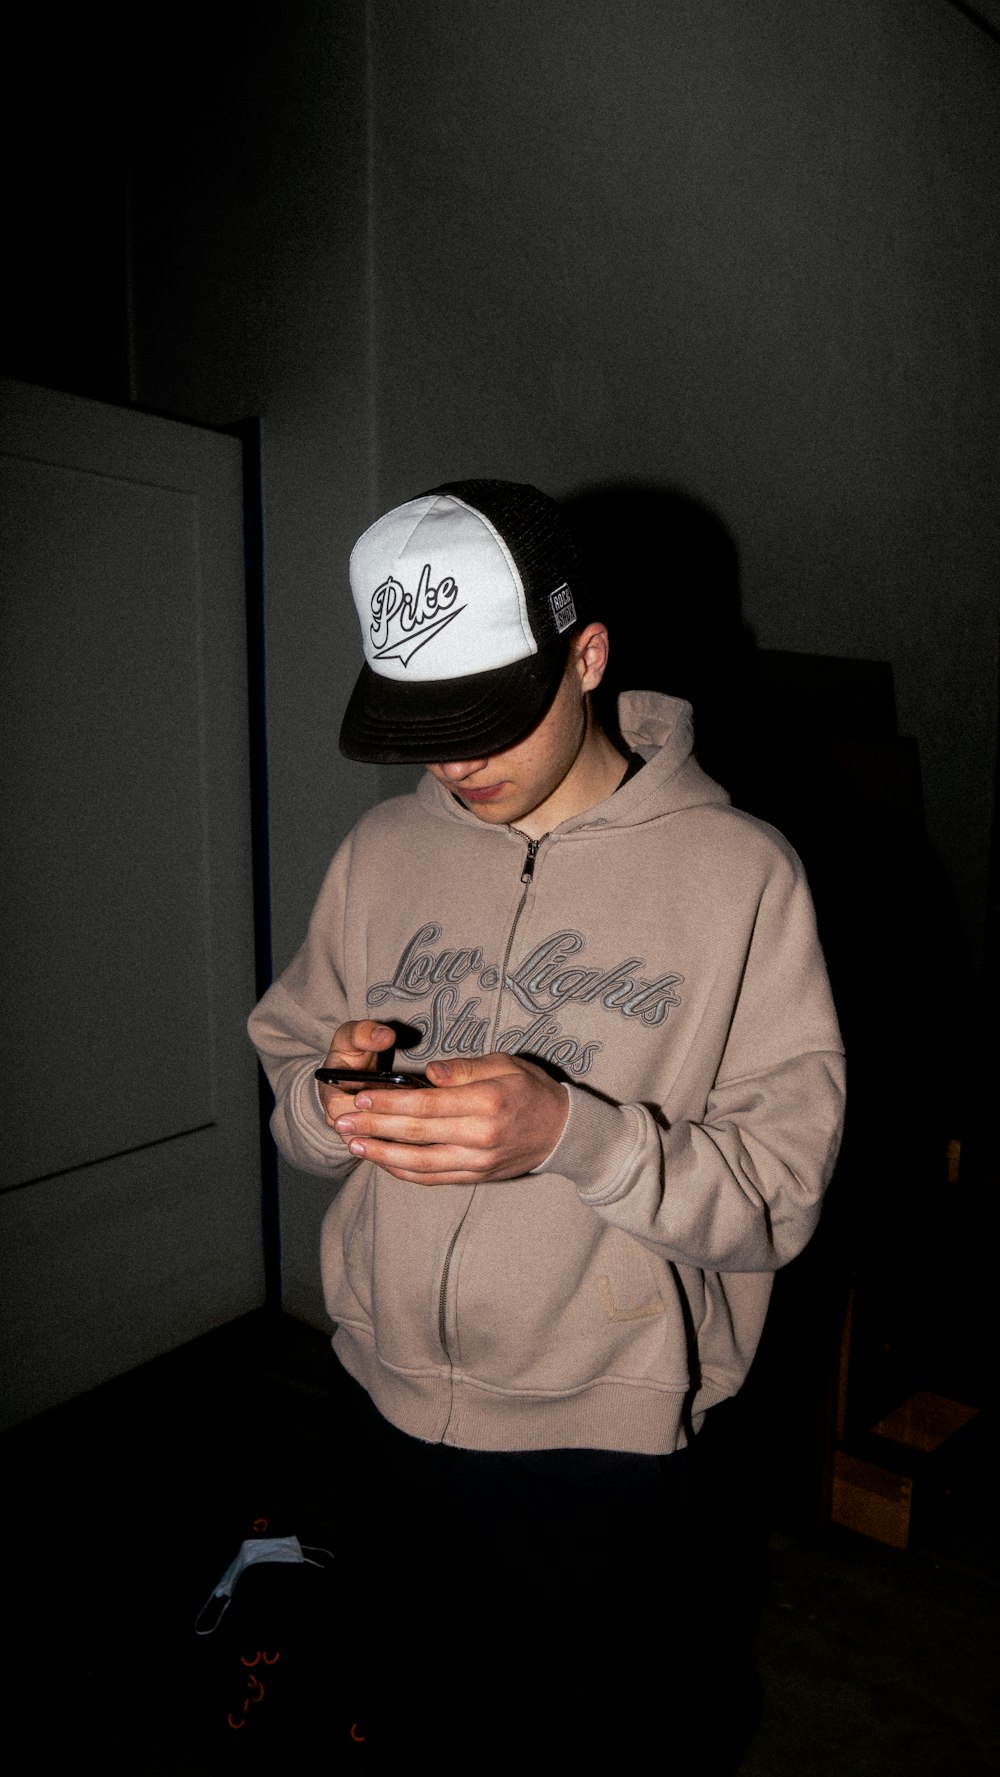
(443, 1070)
(344, 1126)
(358, 1148)
(382, 1030)
(363, 1103)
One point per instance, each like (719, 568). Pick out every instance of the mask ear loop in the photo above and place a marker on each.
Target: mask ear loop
(317, 1550)
(224, 1599)
(223, 1602)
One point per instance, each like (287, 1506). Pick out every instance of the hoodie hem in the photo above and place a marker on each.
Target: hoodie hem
(450, 1408)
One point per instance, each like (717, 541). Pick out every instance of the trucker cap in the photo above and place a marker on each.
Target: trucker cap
(465, 596)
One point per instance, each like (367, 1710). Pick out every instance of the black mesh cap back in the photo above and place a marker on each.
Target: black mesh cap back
(541, 541)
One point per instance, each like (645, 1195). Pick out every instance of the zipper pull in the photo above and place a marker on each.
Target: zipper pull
(529, 863)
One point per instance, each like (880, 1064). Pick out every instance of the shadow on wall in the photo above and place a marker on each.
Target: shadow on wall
(664, 574)
(810, 743)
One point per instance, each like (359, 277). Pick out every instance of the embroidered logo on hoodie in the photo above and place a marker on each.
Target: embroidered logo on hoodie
(548, 979)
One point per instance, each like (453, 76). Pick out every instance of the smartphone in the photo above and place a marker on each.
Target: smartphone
(353, 1079)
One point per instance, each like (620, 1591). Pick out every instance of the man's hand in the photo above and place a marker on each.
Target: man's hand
(359, 1044)
(496, 1117)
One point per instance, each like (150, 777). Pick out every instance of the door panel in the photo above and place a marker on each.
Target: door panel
(130, 1215)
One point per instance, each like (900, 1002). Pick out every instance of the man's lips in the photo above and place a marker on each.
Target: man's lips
(485, 795)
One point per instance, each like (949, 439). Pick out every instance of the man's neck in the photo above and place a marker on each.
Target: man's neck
(594, 775)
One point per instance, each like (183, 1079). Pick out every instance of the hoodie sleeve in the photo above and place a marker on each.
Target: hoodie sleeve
(292, 1029)
(737, 1187)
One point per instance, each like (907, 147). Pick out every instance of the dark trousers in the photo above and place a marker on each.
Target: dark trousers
(533, 1605)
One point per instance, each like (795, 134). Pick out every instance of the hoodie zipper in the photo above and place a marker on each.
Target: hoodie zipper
(527, 875)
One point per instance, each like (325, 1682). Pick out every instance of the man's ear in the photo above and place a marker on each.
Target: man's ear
(590, 653)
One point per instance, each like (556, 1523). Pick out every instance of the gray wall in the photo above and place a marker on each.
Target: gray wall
(251, 296)
(747, 248)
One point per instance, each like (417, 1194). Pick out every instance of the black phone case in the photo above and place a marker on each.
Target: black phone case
(348, 1077)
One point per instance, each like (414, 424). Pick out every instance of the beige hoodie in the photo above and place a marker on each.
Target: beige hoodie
(663, 956)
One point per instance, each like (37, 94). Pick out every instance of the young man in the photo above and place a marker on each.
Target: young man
(545, 1269)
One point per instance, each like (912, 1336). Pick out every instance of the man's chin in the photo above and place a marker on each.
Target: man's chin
(488, 811)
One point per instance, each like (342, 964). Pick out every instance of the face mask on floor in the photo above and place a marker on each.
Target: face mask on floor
(258, 1548)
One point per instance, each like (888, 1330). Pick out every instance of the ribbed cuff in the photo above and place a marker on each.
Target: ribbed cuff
(598, 1147)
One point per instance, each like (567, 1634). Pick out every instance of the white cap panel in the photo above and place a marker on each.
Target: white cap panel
(437, 593)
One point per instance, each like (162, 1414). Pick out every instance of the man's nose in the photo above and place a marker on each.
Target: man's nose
(455, 770)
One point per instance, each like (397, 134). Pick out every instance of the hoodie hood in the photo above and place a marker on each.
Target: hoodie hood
(661, 730)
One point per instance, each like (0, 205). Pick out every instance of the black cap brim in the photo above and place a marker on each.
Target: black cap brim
(434, 721)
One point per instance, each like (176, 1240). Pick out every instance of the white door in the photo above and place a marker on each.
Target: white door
(129, 1169)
